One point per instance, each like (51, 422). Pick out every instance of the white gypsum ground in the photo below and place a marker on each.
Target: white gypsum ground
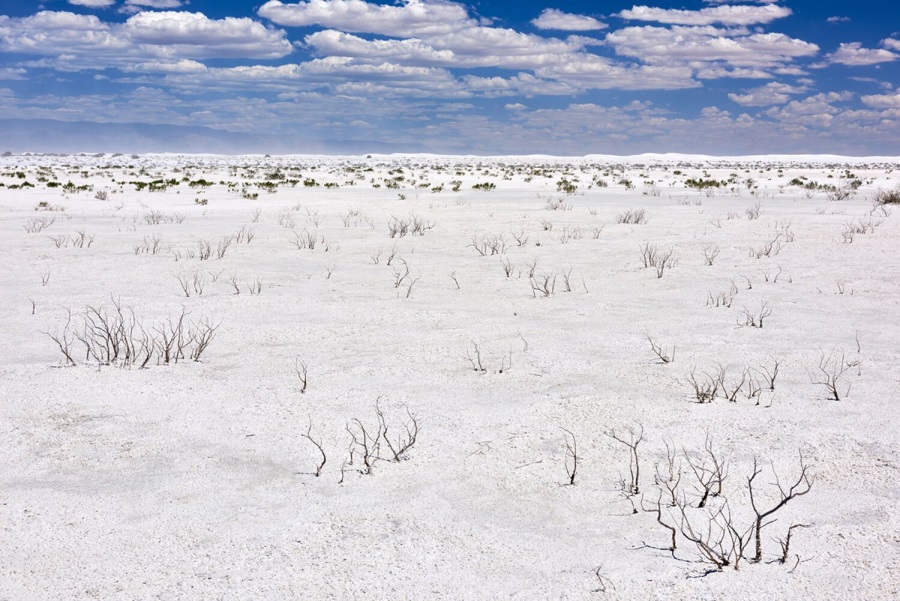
(527, 312)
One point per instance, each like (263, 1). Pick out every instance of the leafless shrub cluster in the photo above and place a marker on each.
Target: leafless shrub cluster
(36, 225)
(768, 249)
(754, 210)
(244, 235)
(841, 192)
(158, 217)
(116, 336)
(354, 217)
(305, 240)
(754, 318)
(366, 443)
(710, 253)
(830, 371)
(632, 486)
(152, 244)
(402, 277)
(543, 284)
(489, 245)
(558, 204)
(707, 386)
(474, 358)
(887, 197)
(722, 299)
(665, 356)
(520, 237)
(852, 228)
(81, 239)
(719, 525)
(570, 233)
(632, 216)
(412, 225)
(193, 283)
(651, 256)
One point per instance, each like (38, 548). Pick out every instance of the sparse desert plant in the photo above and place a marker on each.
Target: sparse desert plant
(570, 462)
(633, 439)
(255, 287)
(543, 284)
(769, 377)
(521, 238)
(116, 336)
(302, 373)
(475, 360)
(830, 371)
(405, 440)
(710, 253)
(661, 353)
(666, 260)
(36, 225)
(754, 319)
(364, 444)
(632, 216)
(305, 240)
(754, 210)
(887, 197)
(768, 249)
(489, 245)
(710, 471)
(318, 445)
(706, 386)
(800, 487)
(720, 541)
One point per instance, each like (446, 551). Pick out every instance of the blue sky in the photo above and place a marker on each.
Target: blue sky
(570, 77)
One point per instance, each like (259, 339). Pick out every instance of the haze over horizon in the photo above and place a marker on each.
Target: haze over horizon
(348, 76)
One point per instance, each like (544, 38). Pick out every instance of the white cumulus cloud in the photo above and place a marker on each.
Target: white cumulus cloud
(154, 3)
(882, 101)
(412, 18)
(725, 15)
(83, 41)
(93, 3)
(698, 45)
(853, 54)
(551, 18)
(767, 95)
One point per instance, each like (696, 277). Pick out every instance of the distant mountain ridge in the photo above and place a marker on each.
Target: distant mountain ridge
(48, 135)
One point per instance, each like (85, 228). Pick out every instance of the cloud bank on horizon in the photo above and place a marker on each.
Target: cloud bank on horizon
(704, 76)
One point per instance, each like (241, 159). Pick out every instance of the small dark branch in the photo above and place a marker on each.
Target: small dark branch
(786, 542)
(663, 355)
(710, 471)
(476, 361)
(710, 253)
(302, 373)
(769, 377)
(64, 339)
(403, 443)
(656, 509)
(706, 388)
(571, 457)
(318, 445)
(731, 392)
(367, 444)
(800, 487)
(634, 466)
(410, 284)
(830, 371)
(605, 584)
(668, 475)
